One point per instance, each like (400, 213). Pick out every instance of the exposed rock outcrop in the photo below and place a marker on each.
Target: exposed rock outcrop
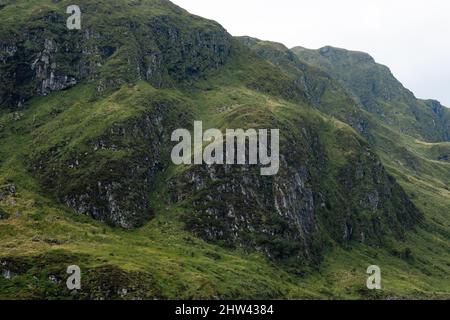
(44, 56)
(111, 176)
(285, 216)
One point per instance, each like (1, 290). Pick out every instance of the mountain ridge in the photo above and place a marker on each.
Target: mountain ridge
(85, 174)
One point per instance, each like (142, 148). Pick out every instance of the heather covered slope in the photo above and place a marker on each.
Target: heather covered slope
(86, 177)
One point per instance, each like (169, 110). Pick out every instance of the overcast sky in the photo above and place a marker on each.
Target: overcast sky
(412, 37)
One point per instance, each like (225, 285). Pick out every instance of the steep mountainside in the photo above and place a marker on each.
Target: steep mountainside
(86, 178)
(376, 89)
(160, 42)
(420, 166)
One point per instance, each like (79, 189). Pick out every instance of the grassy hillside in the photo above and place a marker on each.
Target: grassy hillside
(39, 238)
(86, 179)
(378, 92)
(421, 167)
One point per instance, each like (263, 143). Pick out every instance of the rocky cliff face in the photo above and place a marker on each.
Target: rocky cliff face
(442, 117)
(117, 190)
(140, 58)
(291, 215)
(110, 175)
(239, 208)
(376, 90)
(158, 42)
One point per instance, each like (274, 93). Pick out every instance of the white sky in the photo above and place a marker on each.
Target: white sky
(412, 37)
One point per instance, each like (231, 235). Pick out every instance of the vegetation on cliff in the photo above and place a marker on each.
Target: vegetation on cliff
(86, 179)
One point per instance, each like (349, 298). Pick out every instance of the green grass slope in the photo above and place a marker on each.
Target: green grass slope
(420, 167)
(377, 91)
(64, 156)
(41, 238)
